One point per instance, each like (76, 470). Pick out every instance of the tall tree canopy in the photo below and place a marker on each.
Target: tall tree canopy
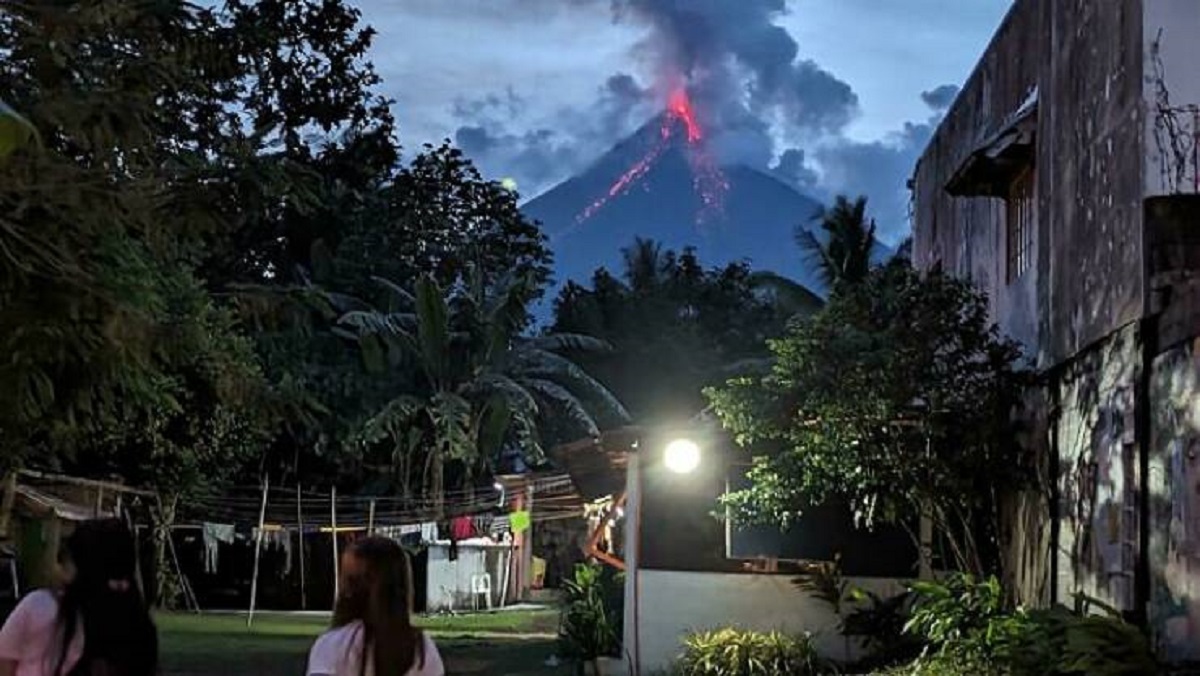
(675, 326)
(179, 185)
(895, 398)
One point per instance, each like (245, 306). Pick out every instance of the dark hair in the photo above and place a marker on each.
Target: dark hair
(119, 638)
(380, 596)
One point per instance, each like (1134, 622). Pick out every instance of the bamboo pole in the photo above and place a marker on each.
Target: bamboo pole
(337, 559)
(262, 518)
(371, 519)
(300, 532)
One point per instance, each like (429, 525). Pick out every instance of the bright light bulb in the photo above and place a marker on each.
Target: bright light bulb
(682, 456)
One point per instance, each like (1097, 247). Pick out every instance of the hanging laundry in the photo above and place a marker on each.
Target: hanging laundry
(520, 521)
(429, 532)
(499, 526)
(282, 539)
(481, 525)
(214, 535)
(462, 528)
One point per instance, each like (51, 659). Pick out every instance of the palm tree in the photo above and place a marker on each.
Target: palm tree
(478, 384)
(646, 265)
(845, 255)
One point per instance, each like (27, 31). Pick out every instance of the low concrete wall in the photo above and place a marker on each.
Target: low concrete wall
(673, 604)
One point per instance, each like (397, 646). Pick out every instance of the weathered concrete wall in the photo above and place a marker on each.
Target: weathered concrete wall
(1172, 93)
(1173, 233)
(1026, 526)
(1095, 435)
(966, 235)
(1174, 485)
(1091, 189)
(673, 604)
(1085, 58)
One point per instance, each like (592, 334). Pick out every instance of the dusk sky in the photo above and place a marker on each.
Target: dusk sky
(537, 89)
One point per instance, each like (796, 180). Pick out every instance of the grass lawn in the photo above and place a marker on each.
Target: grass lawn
(496, 644)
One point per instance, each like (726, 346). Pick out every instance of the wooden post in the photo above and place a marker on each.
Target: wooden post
(262, 518)
(6, 507)
(300, 532)
(337, 558)
(371, 519)
(189, 594)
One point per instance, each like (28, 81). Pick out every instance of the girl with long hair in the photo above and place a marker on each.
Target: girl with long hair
(96, 625)
(372, 632)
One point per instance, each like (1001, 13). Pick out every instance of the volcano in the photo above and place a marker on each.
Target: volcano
(661, 184)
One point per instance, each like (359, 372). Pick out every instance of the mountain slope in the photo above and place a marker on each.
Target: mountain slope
(756, 222)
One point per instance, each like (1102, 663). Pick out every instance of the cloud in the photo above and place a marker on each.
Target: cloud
(940, 98)
(498, 134)
(880, 169)
(735, 54)
(793, 168)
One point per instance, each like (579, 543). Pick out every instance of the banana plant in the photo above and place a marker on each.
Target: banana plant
(479, 385)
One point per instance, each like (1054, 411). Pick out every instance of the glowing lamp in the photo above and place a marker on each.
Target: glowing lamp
(509, 184)
(682, 456)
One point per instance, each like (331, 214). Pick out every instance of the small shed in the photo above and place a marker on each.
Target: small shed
(458, 574)
(41, 509)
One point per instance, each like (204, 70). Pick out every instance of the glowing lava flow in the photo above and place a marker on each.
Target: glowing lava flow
(707, 178)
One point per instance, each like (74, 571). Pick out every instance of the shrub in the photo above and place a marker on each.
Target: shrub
(592, 619)
(732, 652)
(1057, 641)
(967, 626)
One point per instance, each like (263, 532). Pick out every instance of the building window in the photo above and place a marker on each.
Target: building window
(1020, 224)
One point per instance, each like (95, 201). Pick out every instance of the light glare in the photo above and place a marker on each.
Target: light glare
(682, 456)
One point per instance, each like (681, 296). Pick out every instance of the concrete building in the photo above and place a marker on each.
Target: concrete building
(1065, 182)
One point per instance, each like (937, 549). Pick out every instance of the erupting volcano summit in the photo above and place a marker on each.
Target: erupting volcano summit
(664, 183)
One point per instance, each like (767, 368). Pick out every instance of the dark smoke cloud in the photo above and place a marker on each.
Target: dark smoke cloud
(497, 134)
(793, 168)
(880, 169)
(748, 81)
(734, 51)
(940, 98)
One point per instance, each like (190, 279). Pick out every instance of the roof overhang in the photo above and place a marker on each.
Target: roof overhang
(597, 465)
(990, 169)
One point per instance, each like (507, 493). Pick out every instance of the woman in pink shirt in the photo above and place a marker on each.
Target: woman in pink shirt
(97, 625)
(372, 632)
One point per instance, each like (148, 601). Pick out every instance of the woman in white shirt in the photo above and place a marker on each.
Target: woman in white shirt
(372, 632)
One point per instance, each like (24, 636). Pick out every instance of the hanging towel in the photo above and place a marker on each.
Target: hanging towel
(429, 532)
(520, 521)
(214, 535)
(462, 528)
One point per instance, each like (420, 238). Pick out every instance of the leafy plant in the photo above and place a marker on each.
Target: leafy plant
(593, 617)
(733, 652)
(879, 621)
(966, 622)
(826, 584)
(1059, 641)
(958, 611)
